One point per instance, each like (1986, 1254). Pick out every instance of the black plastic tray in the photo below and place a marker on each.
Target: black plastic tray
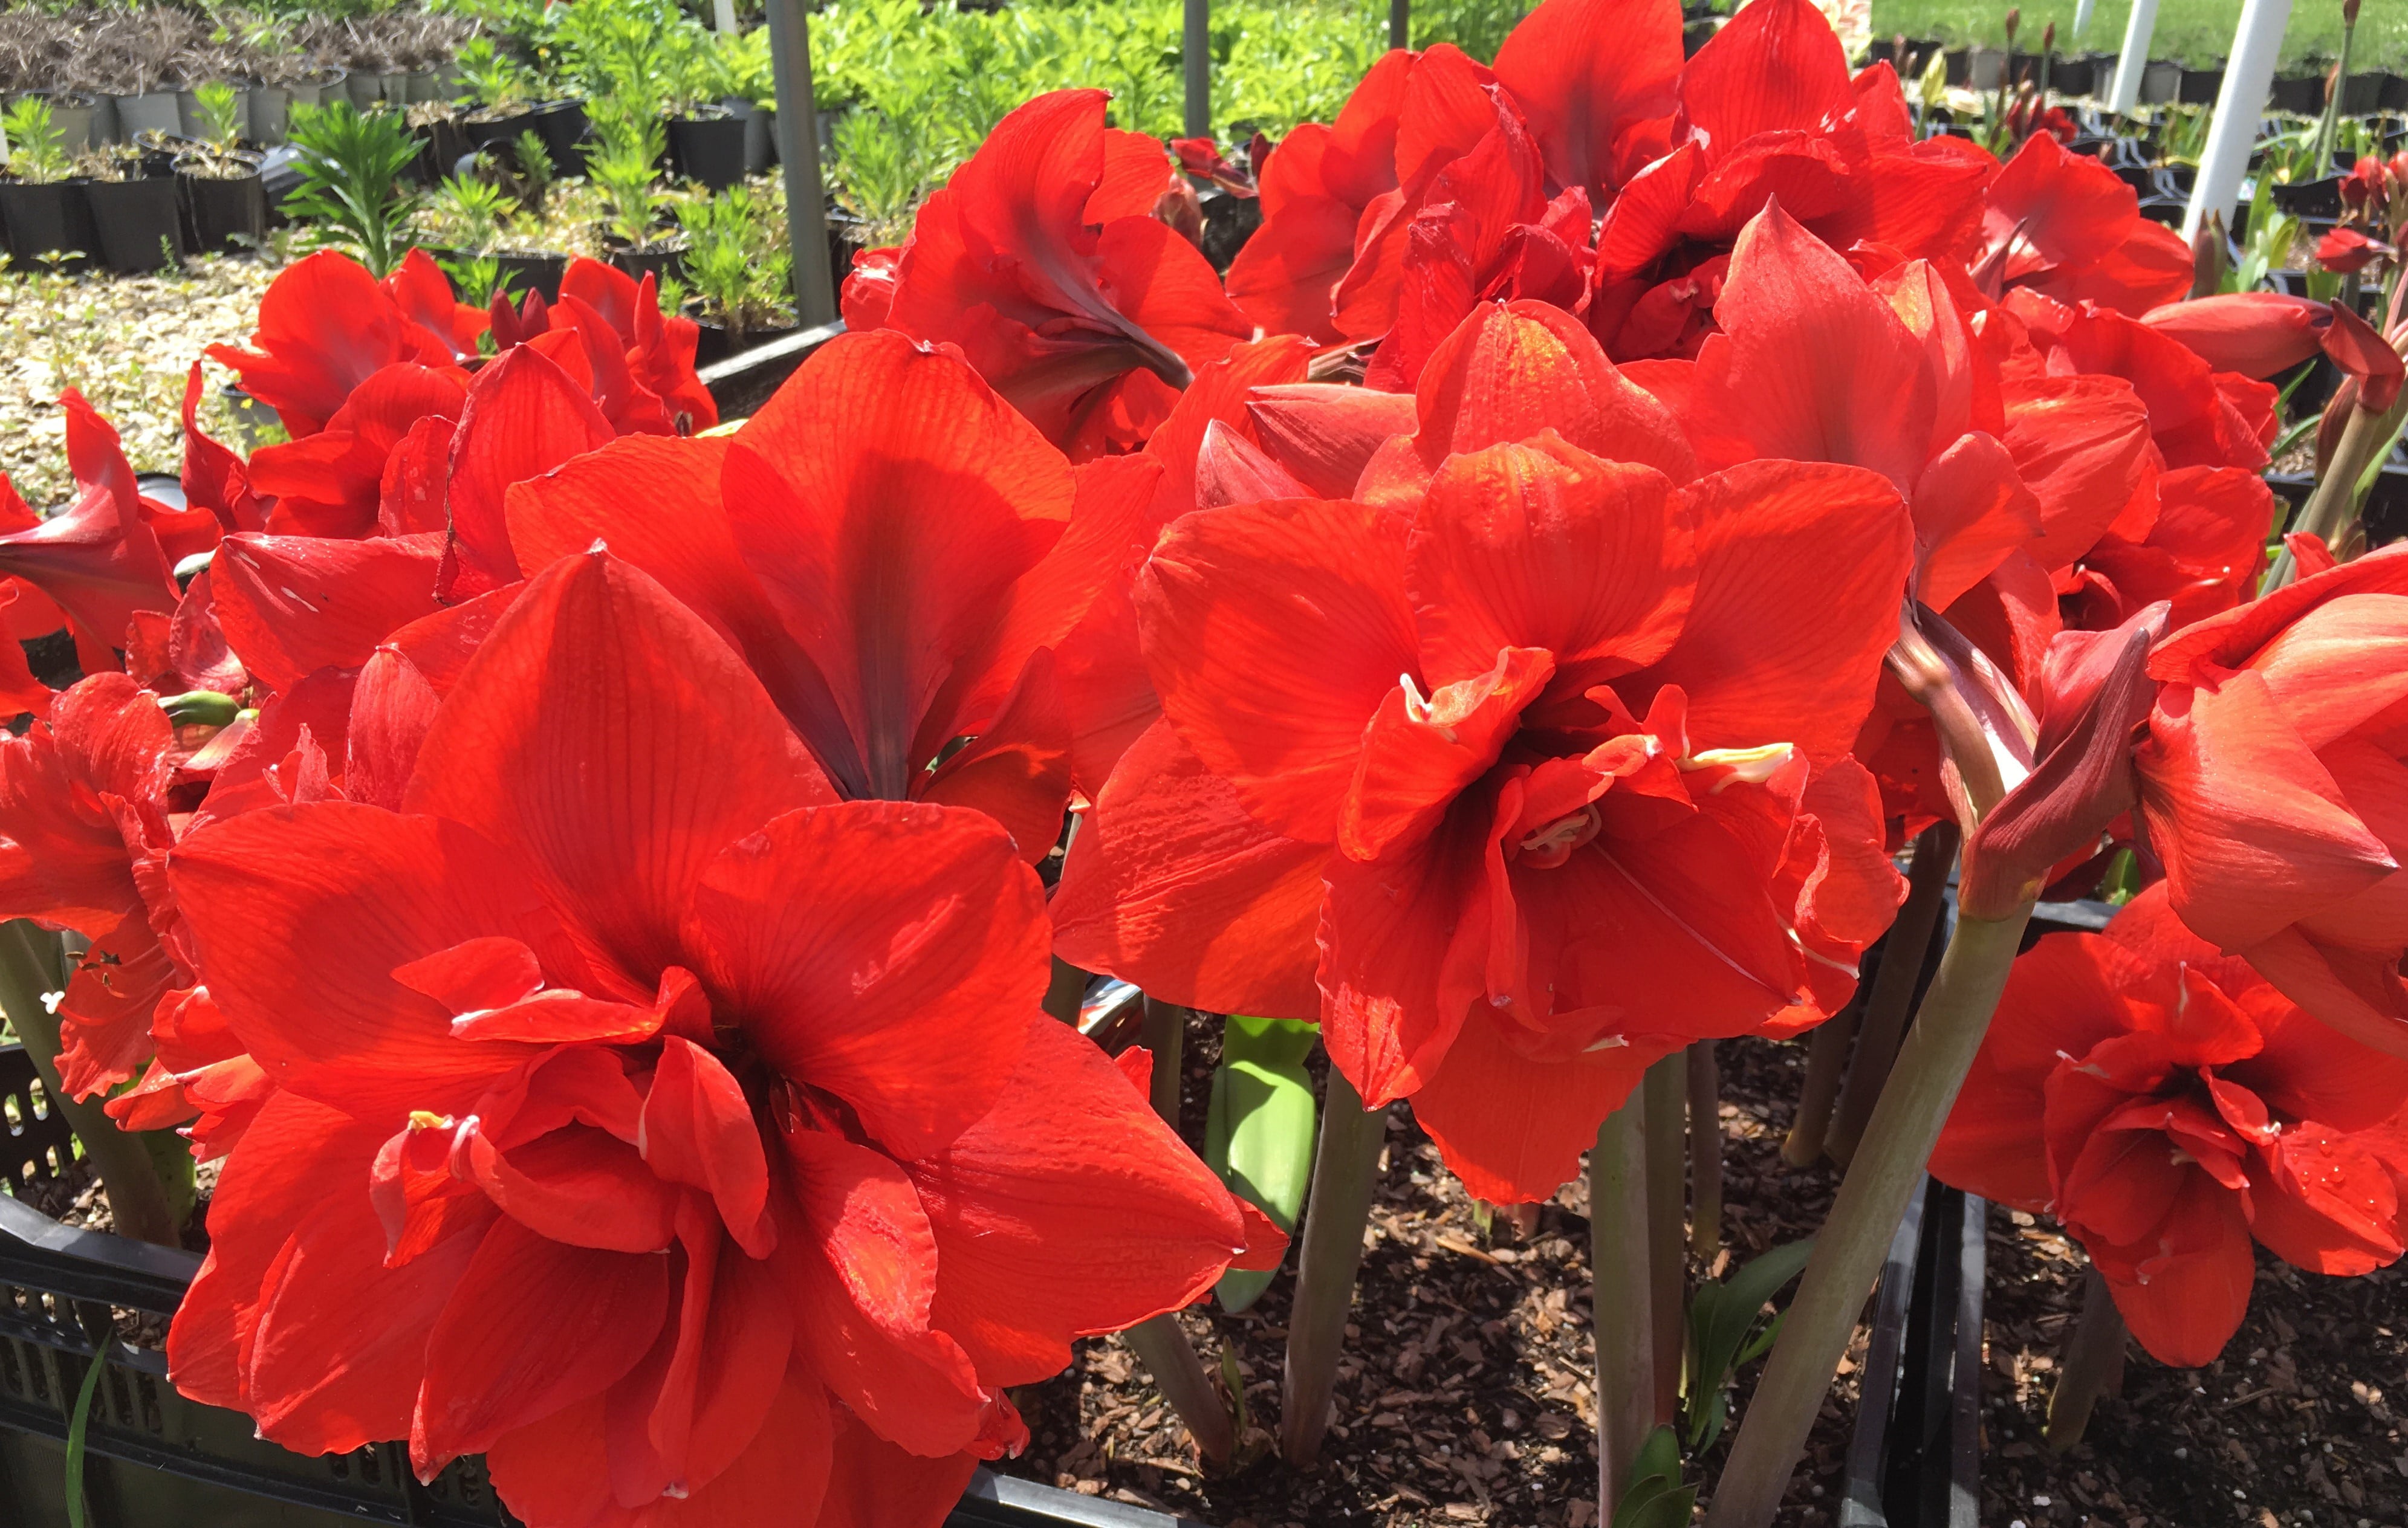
(1915, 1459)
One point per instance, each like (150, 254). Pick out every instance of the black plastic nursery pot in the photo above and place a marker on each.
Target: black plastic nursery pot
(708, 147)
(1915, 1459)
(562, 126)
(661, 262)
(523, 272)
(2199, 87)
(228, 214)
(2303, 95)
(50, 219)
(487, 126)
(140, 223)
(155, 1459)
(717, 342)
(2310, 199)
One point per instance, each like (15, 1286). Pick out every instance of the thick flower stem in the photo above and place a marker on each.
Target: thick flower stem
(1892, 997)
(2333, 504)
(1345, 1169)
(1705, 1151)
(1667, 1240)
(1179, 1375)
(1064, 991)
(1159, 1344)
(1623, 1306)
(138, 1200)
(1849, 1249)
(2088, 1366)
(1165, 1033)
(1827, 1062)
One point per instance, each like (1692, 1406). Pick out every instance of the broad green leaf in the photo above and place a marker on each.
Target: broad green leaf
(1722, 1317)
(1655, 1498)
(1258, 1130)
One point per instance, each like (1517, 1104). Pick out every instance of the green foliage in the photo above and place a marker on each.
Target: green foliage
(628, 143)
(1655, 1498)
(1727, 1331)
(471, 212)
(36, 153)
(221, 113)
(736, 259)
(351, 187)
(491, 78)
(1258, 1132)
(2195, 32)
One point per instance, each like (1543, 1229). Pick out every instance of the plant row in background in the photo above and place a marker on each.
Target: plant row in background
(612, 891)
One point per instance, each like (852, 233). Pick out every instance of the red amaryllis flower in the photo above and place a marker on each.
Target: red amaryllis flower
(2345, 252)
(2258, 334)
(1766, 108)
(325, 326)
(332, 482)
(102, 559)
(82, 827)
(1087, 323)
(895, 551)
(1563, 780)
(688, 1141)
(2199, 417)
(2270, 783)
(1316, 184)
(2202, 554)
(607, 329)
(2169, 1107)
(2066, 226)
(1595, 79)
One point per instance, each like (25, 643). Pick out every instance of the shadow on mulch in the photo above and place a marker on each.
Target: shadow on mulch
(1466, 1397)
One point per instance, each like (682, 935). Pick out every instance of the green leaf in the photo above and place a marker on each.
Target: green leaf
(1655, 1498)
(1722, 1319)
(1259, 1129)
(77, 1425)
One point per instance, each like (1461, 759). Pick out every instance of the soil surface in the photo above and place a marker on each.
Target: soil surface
(1468, 1399)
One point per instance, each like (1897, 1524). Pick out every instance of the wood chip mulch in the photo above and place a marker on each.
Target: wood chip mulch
(1466, 1397)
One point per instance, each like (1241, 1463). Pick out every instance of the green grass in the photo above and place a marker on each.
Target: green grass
(2196, 32)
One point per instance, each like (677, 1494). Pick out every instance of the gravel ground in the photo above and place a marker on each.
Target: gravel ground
(127, 342)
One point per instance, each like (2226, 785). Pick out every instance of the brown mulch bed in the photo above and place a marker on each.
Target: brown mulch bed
(1468, 1401)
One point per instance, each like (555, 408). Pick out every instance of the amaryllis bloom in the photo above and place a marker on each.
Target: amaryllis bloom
(895, 551)
(1550, 748)
(2065, 226)
(100, 560)
(2272, 779)
(1087, 318)
(2259, 333)
(689, 1142)
(2169, 1107)
(1767, 110)
(327, 325)
(83, 803)
(2202, 554)
(1595, 81)
(2198, 416)
(2345, 252)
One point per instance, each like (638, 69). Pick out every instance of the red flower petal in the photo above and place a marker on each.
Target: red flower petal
(1070, 1209)
(608, 737)
(1172, 885)
(880, 952)
(533, 1326)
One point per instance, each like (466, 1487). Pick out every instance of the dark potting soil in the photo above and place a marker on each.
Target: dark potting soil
(1466, 1396)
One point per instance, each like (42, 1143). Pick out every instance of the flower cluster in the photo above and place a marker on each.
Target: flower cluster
(580, 865)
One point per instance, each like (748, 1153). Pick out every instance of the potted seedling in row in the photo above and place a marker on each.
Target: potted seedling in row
(501, 91)
(40, 207)
(706, 135)
(627, 144)
(351, 189)
(137, 219)
(739, 271)
(221, 178)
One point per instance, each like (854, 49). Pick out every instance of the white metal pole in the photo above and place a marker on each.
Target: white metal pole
(722, 15)
(2082, 18)
(2138, 30)
(2239, 105)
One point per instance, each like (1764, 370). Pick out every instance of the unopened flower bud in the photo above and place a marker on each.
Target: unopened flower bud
(200, 708)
